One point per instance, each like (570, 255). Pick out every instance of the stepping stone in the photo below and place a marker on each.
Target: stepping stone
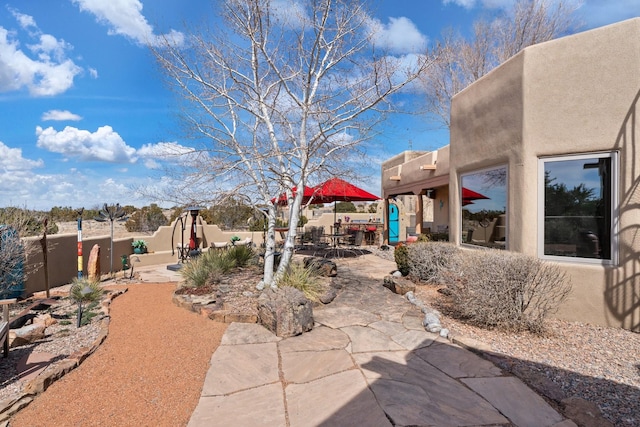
(305, 366)
(458, 362)
(365, 339)
(241, 367)
(319, 338)
(337, 317)
(247, 333)
(516, 401)
(30, 365)
(257, 407)
(337, 400)
(442, 401)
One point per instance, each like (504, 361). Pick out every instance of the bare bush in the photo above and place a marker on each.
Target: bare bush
(432, 261)
(16, 223)
(507, 290)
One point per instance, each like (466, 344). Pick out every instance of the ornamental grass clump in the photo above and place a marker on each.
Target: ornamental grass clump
(433, 261)
(242, 255)
(306, 280)
(507, 291)
(212, 264)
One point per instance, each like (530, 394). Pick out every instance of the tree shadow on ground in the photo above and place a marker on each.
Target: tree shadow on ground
(567, 391)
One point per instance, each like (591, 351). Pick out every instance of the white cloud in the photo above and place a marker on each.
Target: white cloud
(16, 175)
(170, 152)
(290, 13)
(400, 35)
(26, 22)
(102, 145)
(11, 160)
(48, 73)
(125, 18)
(93, 73)
(60, 115)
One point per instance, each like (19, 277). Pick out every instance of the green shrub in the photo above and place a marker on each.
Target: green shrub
(303, 279)
(212, 264)
(401, 257)
(242, 255)
(508, 291)
(432, 261)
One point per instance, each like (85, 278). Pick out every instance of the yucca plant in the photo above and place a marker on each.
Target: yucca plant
(82, 291)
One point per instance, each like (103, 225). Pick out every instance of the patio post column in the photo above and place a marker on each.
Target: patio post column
(419, 213)
(385, 225)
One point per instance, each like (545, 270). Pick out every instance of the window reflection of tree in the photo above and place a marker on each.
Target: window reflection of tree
(480, 227)
(576, 217)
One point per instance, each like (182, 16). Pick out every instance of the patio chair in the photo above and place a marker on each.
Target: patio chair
(219, 245)
(4, 325)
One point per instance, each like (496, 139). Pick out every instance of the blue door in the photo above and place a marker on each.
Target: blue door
(394, 224)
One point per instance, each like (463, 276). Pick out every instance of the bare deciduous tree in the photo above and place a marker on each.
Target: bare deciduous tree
(459, 62)
(280, 96)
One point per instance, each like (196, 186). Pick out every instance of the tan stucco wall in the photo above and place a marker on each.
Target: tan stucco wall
(573, 95)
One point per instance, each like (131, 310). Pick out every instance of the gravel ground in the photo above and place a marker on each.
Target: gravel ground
(149, 371)
(598, 364)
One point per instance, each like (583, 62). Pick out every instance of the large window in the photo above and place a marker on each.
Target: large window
(483, 198)
(578, 205)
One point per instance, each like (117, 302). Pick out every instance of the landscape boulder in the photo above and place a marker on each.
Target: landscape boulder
(93, 265)
(324, 266)
(285, 311)
(26, 334)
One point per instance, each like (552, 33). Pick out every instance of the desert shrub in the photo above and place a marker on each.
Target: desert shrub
(431, 261)
(401, 257)
(209, 266)
(304, 279)
(242, 255)
(147, 219)
(507, 290)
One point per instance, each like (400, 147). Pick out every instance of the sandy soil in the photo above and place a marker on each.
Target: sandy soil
(149, 371)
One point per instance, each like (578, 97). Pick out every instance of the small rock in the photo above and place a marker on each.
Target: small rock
(396, 274)
(328, 296)
(434, 327)
(45, 319)
(411, 297)
(430, 318)
(444, 333)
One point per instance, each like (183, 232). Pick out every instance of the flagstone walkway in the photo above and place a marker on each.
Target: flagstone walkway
(368, 361)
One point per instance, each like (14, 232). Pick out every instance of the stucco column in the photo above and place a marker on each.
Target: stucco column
(419, 213)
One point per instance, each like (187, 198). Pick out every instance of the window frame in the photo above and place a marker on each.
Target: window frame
(613, 209)
(504, 166)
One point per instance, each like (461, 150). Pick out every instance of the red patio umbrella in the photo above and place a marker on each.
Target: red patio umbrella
(339, 190)
(282, 199)
(469, 195)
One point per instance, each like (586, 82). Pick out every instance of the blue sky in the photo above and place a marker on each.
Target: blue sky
(84, 112)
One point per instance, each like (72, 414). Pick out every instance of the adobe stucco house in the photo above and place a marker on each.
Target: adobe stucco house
(544, 159)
